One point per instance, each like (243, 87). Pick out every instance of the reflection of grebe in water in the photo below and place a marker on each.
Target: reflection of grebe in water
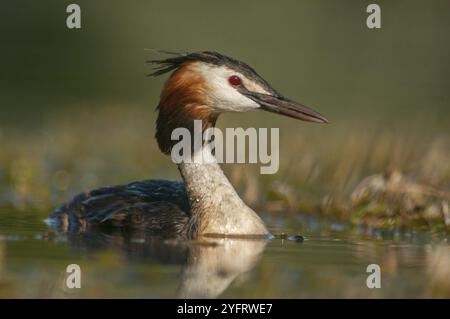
(211, 269)
(209, 266)
(202, 86)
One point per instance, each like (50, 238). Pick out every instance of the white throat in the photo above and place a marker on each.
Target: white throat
(216, 208)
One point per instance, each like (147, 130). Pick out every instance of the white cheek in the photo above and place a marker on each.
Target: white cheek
(225, 97)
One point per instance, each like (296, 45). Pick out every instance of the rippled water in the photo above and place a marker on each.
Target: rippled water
(330, 262)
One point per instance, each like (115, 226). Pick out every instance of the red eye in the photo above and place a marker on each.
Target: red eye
(234, 80)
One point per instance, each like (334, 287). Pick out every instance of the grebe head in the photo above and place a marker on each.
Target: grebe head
(206, 84)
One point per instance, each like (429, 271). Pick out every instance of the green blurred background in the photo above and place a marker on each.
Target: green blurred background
(77, 109)
(319, 52)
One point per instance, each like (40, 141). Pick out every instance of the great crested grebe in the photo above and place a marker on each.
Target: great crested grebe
(202, 86)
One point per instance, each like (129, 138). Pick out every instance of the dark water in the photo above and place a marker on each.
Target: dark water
(330, 262)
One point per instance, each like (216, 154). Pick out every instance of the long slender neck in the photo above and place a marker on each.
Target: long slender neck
(216, 207)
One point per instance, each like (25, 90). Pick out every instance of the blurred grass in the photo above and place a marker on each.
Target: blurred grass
(320, 165)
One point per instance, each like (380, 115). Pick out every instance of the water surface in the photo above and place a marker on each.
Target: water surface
(330, 262)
